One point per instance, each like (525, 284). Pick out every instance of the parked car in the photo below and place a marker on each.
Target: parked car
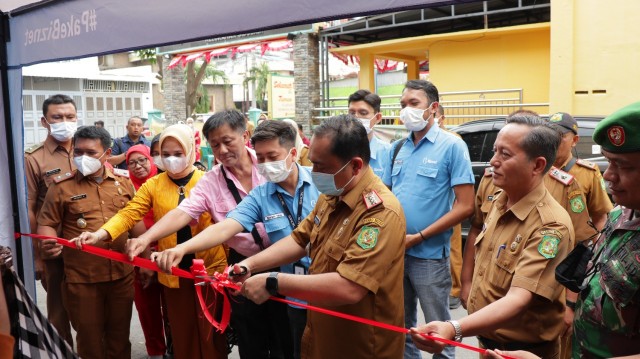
(480, 136)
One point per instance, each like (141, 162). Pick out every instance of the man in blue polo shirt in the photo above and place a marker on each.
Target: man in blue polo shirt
(365, 106)
(281, 204)
(121, 145)
(429, 169)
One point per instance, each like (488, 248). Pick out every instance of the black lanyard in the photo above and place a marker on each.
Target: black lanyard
(236, 195)
(293, 223)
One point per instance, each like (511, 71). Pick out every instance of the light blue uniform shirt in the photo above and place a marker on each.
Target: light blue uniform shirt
(262, 205)
(379, 155)
(422, 179)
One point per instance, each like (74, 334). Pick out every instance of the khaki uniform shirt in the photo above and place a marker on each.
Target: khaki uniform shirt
(568, 195)
(588, 176)
(79, 204)
(521, 247)
(43, 163)
(361, 236)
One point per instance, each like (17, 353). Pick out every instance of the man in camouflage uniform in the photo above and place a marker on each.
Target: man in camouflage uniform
(607, 315)
(607, 320)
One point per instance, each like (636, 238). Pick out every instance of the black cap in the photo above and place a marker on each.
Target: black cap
(565, 121)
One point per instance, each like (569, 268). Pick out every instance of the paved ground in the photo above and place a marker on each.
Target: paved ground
(137, 339)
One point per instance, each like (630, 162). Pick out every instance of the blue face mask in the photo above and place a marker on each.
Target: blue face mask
(326, 184)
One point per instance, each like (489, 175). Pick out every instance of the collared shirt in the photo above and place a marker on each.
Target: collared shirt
(263, 205)
(366, 246)
(160, 194)
(423, 178)
(607, 319)
(212, 195)
(42, 165)
(123, 144)
(77, 204)
(521, 247)
(569, 196)
(379, 155)
(590, 179)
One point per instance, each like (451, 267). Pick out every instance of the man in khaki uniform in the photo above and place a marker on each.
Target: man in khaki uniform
(98, 293)
(355, 235)
(587, 174)
(515, 302)
(44, 162)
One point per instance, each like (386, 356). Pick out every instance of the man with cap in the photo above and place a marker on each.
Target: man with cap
(607, 323)
(586, 173)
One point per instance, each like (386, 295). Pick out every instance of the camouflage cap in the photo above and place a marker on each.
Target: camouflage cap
(620, 131)
(565, 121)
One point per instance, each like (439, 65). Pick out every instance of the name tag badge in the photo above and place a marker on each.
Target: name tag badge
(52, 172)
(274, 216)
(299, 269)
(79, 197)
(316, 220)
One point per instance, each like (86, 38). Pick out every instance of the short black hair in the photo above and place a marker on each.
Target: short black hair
(348, 137)
(430, 90)
(367, 96)
(58, 99)
(542, 141)
(233, 118)
(525, 117)
(300, 127)
(136, 117)
(269, 130)
(93, 133)
(99, 122)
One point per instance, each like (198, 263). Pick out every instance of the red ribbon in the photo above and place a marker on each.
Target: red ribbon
(220, 281)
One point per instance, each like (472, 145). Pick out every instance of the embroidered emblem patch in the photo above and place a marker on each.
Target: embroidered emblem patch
(368, 237)
(577, 205)
(616, 135)
(556, 118)
(371, 199)
(374, 221)
(549, 246)
(604, 187)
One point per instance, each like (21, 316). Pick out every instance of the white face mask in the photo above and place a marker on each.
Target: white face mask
(275, 171)
(87, 165)
(367, 123)
(157, 160)
(175, 164)
(62, 131)
(412, 118)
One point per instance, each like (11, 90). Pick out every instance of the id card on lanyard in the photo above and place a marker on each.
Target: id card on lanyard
(298, 268)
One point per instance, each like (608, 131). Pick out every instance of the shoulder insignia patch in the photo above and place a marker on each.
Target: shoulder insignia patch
(548, 247)
(551, 232)
(121, 172)
(587, 164)
(32, 149)
(375, 221)
(371, 199)
(368, 237)
(577, 204)
(561, 176)
(488, 171)
(63, 177)
(602, 184)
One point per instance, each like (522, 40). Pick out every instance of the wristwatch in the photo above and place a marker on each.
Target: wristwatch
(272, 283)
(458, 330)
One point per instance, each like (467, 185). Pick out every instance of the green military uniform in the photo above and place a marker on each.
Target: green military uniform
(607, 317)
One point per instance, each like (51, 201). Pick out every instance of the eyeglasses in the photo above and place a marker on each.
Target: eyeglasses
(141, 162)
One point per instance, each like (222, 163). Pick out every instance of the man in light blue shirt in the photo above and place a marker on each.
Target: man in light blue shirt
(365, 106)
(281, 204)
(429, 170)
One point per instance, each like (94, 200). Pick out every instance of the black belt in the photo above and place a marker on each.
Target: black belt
(492, 344)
